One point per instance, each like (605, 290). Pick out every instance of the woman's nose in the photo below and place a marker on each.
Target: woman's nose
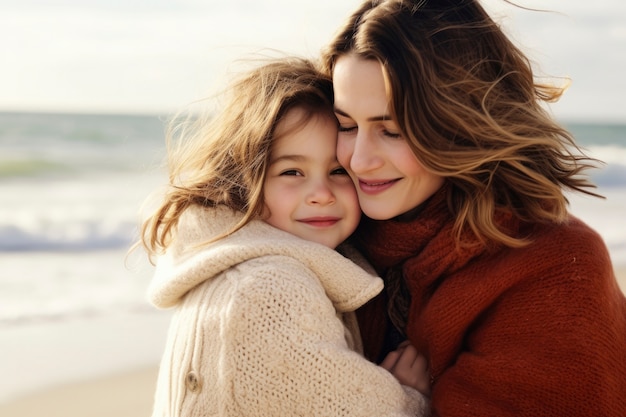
(364, 156)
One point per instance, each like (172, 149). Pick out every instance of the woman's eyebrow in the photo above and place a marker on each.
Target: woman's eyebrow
(369, 119)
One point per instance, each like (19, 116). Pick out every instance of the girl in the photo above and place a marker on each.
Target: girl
(263, 324)
(461, 174)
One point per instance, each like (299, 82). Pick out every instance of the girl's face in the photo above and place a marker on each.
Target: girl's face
(389, 179)
(306, 191)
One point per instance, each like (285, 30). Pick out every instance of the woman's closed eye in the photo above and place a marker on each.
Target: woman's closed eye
(385, 132)
(391, 135)
(347, 128)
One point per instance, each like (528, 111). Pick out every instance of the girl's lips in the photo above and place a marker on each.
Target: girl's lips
(320, 221)
(376, 186)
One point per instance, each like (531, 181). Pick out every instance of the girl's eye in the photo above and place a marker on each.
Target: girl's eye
(339, 171)
(293, 172)
(346, 128)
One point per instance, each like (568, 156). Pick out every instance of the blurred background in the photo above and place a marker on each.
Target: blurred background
(86, 88)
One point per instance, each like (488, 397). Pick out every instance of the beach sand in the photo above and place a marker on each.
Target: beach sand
(123, 394)
(128, 394)
(95, 366)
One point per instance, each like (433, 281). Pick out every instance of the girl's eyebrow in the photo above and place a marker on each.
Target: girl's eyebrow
(295, 158)
(369, 119)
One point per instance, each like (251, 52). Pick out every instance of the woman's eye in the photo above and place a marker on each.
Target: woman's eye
(391, 134)
(346, 128)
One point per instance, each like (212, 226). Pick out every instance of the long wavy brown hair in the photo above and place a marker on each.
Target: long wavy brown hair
(221, 159)
(466, 99)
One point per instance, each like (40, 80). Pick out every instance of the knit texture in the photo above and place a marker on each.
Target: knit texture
(264, 325)
(538, 331)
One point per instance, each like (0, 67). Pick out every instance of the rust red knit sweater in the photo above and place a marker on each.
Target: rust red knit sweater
(538, 331)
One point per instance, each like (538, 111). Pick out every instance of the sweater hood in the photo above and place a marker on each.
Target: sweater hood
(189, 261)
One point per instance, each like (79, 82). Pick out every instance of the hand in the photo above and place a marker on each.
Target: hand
(409, 367)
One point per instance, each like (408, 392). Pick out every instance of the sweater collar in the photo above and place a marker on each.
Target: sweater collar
(425, 237)
(189, 261)
(389, 242)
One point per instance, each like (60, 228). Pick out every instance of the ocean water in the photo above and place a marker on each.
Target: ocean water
(71, 187)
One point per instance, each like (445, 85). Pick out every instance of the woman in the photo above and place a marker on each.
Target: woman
(461, 174)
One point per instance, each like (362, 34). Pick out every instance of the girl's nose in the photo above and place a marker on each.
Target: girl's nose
(320, 193)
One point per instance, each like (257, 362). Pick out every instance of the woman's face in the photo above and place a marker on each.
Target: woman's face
(389, 179)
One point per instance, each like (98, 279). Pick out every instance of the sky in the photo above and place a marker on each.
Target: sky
(158, 56)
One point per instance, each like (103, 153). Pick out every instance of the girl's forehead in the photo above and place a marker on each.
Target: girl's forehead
(297, 117)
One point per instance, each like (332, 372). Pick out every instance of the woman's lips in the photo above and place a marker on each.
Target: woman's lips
(376, 186)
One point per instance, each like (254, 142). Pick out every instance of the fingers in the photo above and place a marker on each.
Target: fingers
(409, 367)
(391, 360)
(419, 369)
(403, 356)
(408, 355)
(389, 363)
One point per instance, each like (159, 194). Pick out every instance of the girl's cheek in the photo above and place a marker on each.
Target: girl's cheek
(344, 153)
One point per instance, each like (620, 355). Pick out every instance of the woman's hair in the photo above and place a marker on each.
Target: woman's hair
(465, 98)
(221, 159)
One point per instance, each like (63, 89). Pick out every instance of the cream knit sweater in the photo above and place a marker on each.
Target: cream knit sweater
(263, 326)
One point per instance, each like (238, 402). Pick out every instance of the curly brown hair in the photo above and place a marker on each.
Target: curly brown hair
(221, 159)
(466, 100)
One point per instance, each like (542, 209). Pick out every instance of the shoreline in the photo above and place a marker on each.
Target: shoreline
(126, 391)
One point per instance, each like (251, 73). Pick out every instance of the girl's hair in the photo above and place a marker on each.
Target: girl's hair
(221, 159)
(465, 98)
